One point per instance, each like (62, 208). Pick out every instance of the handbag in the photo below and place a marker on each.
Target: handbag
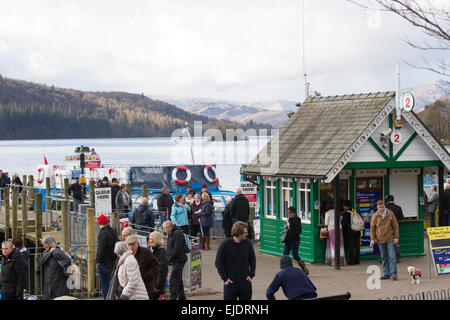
(163, 296)
(283, 236)
(324, 233)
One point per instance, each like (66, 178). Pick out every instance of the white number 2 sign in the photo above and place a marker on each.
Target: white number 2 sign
(396, 137)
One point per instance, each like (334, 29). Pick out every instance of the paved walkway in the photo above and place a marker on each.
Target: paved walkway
(327, 280)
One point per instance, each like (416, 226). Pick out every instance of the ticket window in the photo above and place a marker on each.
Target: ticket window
(326, 196)
(368, 191)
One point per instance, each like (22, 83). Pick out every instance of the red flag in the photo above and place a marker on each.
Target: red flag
(45, 159)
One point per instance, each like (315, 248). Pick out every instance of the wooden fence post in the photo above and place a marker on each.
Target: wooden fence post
(144, 191)
(48, 200)
(15, 192)
(92, 192)
(65, 225)
(30, 191)
(66, 188)
(38, 231)
(7, 214)
(24, 216)
(90, 239)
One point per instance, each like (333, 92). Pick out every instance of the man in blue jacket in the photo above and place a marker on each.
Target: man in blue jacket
(294, 282)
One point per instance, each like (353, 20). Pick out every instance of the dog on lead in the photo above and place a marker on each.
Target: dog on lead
(415, 274)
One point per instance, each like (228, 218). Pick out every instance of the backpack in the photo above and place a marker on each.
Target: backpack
(357, 222)
(187, 243)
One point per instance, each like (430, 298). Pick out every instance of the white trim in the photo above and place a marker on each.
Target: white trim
(426, 136)
(307, 191)
(352, 150)
(282, 200)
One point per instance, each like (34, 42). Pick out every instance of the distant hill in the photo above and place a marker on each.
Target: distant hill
(271, 112)
(35, 111)
(275, 112)
(428, 93)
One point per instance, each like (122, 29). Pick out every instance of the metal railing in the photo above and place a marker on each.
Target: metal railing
(425, 295)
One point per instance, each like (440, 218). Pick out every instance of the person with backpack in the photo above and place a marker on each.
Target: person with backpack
(176, 256)
(384, 230)
(352, 224)
(54, 263)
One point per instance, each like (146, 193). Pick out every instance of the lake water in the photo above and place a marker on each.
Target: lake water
(24, 156)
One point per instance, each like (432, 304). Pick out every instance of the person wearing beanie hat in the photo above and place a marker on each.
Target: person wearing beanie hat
(295, 283)
(105, 257)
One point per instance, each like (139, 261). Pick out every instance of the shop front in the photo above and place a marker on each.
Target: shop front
(311, 158)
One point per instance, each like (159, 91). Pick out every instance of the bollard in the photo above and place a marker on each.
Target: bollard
(15, 191)
(65, 225)
(38, 231)
(48, 200)
(144, 191)
(92, 192)
(24, 216)
(90, 241)
(7, 214)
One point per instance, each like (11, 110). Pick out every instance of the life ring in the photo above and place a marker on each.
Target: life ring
(206, 174)
(41, 175)
(174, 175)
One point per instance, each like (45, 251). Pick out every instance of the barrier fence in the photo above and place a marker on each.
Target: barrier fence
(425, 295)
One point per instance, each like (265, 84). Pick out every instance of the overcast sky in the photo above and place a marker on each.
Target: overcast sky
(245, 50)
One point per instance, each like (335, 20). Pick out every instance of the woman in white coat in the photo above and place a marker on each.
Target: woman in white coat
(129, 275)
(329, 253)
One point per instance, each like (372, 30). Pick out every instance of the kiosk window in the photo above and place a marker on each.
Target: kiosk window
(286, 198)
(368, 191)
(269, 199)
(303, 209)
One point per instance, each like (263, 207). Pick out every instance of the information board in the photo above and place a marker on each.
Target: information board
(439, 242)
(250, 191)
(103, 204)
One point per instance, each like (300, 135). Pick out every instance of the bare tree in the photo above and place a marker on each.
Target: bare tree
(430, 16)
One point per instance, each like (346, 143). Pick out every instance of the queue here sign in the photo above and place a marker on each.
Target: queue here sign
(250, 191)
(103, 204)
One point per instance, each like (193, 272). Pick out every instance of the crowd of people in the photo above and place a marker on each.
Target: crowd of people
(129, 271)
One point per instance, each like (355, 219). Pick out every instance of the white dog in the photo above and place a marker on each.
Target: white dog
(415, 274)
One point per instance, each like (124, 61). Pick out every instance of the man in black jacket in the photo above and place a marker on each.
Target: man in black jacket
(240, 207)
(227, 221)
(164, 203)
(176, 256)
(294, 227)
(236, 264)
(3, 183)
(13, 277)
(142, 219)
(77, 192)
(106, 257)
(115, 188)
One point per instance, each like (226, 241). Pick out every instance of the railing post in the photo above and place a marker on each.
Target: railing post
(15, 192)
(90, 239)
(24, 216)
(31, 191)
(7, 213)
(65, 225)
(92, 192)
(66, 188)
(38, 230)
(144, 191)
(48, 200)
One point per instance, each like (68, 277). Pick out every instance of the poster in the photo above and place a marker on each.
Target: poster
(103, 204)
(250, 191)
(439, 242)
(196, 266)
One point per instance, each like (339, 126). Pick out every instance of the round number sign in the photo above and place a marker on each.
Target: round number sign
(396, 137)
(407, 101)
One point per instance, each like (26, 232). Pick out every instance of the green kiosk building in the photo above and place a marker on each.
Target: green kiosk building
(357, 142)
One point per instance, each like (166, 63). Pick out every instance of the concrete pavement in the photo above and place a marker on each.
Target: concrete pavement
(351, 278)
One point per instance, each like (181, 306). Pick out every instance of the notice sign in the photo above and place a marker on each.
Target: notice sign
(250, 191)
(439, 242)
(103, 203)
